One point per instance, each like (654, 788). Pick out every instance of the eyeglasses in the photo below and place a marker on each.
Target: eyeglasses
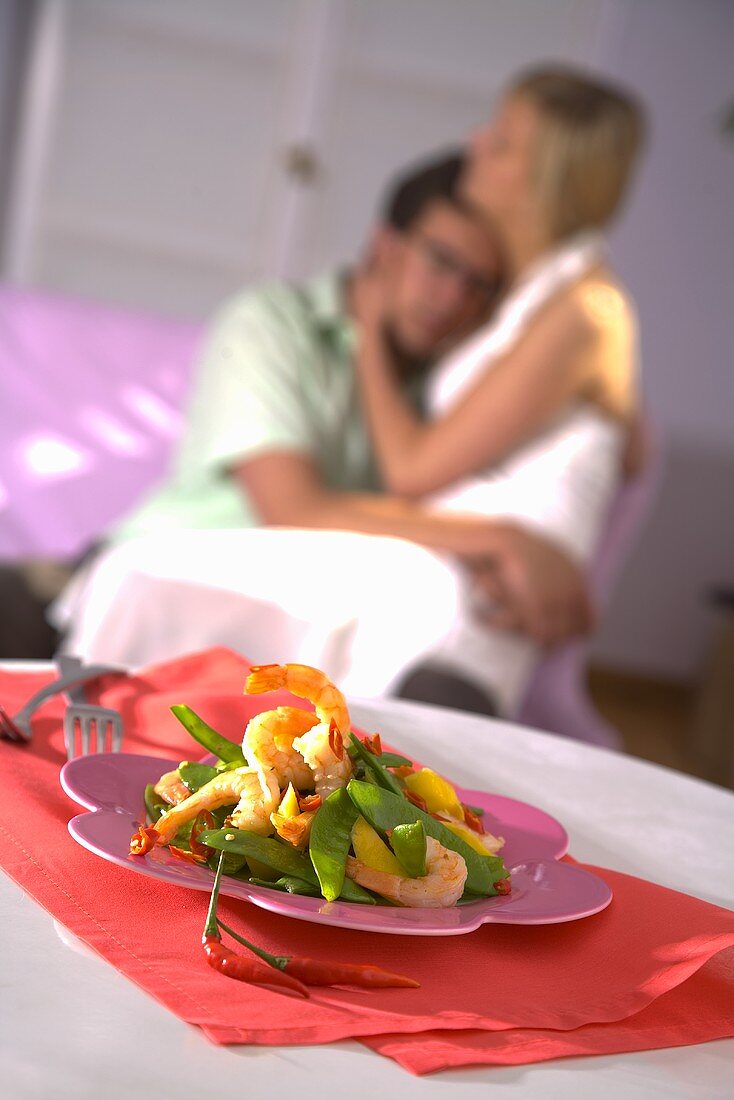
(444, 262)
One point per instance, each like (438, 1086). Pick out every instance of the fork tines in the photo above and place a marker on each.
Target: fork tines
(89, 728)
(10, 730)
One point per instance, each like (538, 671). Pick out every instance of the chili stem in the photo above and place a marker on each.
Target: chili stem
(210, 928)
(278, 961)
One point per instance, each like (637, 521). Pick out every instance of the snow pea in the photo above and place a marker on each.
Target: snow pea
(194, 776)
(232, 863)
(271, 852)
(387, 759)
(289, 884)
(154, 804)
(331, 836)
(211, 740)
(409, 845)
(385, 810)
(394, 760)
(281, 857)
(383, 777)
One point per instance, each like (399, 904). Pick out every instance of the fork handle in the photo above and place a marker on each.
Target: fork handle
(88, 672)
(67, 666)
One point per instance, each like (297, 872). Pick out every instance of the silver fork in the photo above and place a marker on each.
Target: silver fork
(18, 726)
(85, 722)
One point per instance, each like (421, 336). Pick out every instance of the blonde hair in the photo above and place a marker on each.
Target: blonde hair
(590, 136)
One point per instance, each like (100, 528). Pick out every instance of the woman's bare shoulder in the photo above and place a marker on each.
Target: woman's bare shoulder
(602, 303)
(606, 309)
(590, 310)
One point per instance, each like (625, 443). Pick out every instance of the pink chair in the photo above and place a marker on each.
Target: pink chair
(557, 699)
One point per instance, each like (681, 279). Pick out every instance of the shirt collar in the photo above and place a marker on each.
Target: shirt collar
(327, 297)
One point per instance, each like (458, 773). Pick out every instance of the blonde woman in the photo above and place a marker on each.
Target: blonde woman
(530, 420)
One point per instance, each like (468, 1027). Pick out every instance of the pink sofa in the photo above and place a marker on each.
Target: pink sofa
(90, 398)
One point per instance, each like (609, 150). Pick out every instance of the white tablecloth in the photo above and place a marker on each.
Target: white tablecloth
(72, 1028)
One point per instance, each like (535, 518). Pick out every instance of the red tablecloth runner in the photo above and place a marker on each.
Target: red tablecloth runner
(653, 970)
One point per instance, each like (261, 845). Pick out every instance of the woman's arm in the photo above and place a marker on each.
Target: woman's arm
(505, 407)
(533, 585)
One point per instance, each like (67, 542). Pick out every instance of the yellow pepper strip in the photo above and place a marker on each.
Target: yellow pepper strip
(289, 803)
(294, 830)
(289, 823)
(370, 849)
(437, 793)
(474, 840)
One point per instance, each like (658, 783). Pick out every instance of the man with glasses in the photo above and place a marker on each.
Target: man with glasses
(275, 434)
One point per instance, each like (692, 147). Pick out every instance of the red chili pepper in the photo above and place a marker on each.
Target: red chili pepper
(285, 971)
(245, 969)
(336, 741)
(204, 820)
(472, 820)
(144, 840)
(373, 744)
(502, 886)
(308, 802)
(416, 799)
(235, 966)
(182, 853)
(313, 972)
(403, 771)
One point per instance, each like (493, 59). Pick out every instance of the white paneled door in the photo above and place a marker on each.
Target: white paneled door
(159, 148)
(173, 150)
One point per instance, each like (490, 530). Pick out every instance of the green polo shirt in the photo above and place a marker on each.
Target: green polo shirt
(276, 374)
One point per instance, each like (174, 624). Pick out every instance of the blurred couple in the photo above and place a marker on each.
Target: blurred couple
(445, 425)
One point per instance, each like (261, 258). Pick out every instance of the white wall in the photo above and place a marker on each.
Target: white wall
(675, 248)
(15, 25)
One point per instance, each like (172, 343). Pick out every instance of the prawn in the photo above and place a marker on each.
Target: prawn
(268, 741)
(171, 788)
(441, 886)
(306, 682)
(322, 748)
(255, 790)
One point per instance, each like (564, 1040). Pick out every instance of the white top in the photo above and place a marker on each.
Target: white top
(75, 1029)
(561, 483)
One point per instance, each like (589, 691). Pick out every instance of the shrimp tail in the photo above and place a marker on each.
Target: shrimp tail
(263, 678)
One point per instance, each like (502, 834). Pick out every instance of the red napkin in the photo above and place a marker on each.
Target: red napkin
(650, 971)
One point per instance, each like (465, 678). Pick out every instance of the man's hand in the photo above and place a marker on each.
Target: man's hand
(532, 587)
(369, 297)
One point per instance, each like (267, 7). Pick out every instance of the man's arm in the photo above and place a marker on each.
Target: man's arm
(535, 587)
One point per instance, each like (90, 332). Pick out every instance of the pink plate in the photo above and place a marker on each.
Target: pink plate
(544, 891)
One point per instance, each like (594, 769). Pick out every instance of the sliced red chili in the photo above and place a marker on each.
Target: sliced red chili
(472, 820)
(144, 840)
(416, 800)
(336, 741)
(188, 857)
(308, 802)
(403, 771)
(502, 886)
(373, 744)
(204, 821)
